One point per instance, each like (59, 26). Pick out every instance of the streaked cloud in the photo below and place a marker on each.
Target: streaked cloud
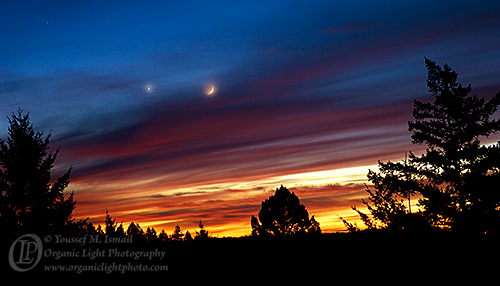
(309, 95)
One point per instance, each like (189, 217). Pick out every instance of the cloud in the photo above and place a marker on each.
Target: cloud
(301, 89)
(186, 136)
(222, 209)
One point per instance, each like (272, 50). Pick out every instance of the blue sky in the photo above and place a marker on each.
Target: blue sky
(300, 86)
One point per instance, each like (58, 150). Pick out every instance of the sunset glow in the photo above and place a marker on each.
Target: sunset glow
(319, 191)
(169, 117)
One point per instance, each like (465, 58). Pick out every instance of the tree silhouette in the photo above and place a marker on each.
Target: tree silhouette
(178, 234)
(188, 236)
(282, 214)
(136, 232)
(457, 178)
(109, 224)
(29, 202)
(163, 236)
(463, 177)
(351, 227)
(83, 227)
(203, 233)
(151, 235)
(120, 231)
(393, 184)
(99, 231)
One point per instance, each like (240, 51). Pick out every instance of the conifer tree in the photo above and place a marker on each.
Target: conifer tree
(135, 230)
(110, 224)
(151, 235)
(283, 214)
(178, 235)
(187, 236)
(457, 178)
(29, 201)
(163, 236)
(203, 233)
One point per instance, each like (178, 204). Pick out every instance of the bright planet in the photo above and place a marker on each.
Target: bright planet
(170, 113)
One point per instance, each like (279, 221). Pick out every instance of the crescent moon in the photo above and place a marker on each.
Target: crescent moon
(211, 90)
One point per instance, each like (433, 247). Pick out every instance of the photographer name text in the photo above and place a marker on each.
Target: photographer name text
(90, 239)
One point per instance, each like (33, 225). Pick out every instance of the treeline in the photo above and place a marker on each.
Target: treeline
(114, 230)
(31, 203)
(457, 179)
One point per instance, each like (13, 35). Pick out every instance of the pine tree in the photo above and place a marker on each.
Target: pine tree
(187, 236)
(203, 233)
(99, 231)
(457, 178)
(163, 236)
(136, 232)
(151, 235)
(178, 235)
(29, 202)
(283, 214)
(110, 225)
(120, 231)
(460, 177)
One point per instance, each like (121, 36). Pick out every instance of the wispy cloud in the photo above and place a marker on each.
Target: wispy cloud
(303, 90)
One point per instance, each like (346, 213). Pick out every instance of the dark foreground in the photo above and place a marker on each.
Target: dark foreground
(394, 258)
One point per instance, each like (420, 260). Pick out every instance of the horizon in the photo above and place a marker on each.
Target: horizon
(171, 113)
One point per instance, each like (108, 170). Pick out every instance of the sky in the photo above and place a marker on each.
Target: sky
(306, 94)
